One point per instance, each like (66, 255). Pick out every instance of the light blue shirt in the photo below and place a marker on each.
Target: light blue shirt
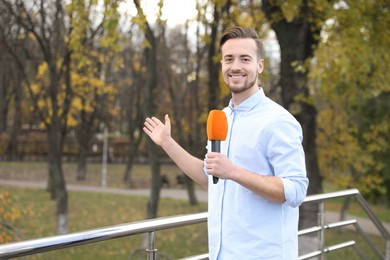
(266, 139)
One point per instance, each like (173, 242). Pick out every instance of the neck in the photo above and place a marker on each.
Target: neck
(238, 98)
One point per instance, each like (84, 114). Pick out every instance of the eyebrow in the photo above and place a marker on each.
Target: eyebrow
(241, 56)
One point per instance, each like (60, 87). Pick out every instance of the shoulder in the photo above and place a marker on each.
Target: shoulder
(275, 113)
(280, 121)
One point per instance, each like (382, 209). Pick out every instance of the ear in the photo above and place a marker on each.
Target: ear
(260, 66)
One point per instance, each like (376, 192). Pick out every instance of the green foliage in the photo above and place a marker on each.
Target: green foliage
(349, 73)
(353, 81)
(94, 41)
(10, 215)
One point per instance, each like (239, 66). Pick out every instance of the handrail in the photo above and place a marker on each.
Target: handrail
(363, 203)
(35, 246)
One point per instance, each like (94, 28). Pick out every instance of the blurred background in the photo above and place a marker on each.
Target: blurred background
(78, 78)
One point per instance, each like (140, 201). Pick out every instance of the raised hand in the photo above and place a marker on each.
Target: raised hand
(157, 130)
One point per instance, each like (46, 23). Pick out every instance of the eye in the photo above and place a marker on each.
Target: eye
(228, 60)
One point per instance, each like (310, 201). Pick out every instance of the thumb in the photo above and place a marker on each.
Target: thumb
(167, 121)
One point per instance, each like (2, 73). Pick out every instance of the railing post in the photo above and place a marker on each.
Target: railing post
(321, 222)
(151, 251)
(387, 250)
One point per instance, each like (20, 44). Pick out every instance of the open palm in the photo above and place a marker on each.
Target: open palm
(157, 130)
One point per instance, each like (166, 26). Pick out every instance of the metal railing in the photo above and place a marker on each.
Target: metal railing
(320, 199)
(149, 227)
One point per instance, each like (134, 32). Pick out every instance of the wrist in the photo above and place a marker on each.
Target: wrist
(166, 143)
(235, 174)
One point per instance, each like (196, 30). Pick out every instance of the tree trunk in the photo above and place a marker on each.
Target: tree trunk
(56, 136)
(134, 143)
(17, 92)
(151, 60)
(179, 94)
(135, 123)
(128, 176)
(212, 66)
(81, 174)
(83, 133)
(190, 190)
(221, 9)
(297, 42)
(3, 102)
(294, 41)
(58, 181)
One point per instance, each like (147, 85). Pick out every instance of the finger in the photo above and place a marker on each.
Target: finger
(211, 155)
(150, 122)
(148, 125)
(156, 121)
(147, 131)
(167, 121)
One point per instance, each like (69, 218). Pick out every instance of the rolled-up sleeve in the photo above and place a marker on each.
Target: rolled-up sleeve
(287, 158)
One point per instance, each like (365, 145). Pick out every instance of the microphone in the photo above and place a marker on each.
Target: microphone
(217, 128)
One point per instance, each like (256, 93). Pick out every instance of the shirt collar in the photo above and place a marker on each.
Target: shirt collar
(248, 104)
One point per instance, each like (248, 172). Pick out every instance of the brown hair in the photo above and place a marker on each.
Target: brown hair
(237, 32)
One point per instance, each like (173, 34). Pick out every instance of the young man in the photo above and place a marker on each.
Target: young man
(253, 209)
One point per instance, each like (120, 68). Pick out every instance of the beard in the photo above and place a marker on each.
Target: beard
(241, 88)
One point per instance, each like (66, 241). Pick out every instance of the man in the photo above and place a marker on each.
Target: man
(253, 209)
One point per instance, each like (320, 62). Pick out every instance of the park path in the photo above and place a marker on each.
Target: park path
(330, 217)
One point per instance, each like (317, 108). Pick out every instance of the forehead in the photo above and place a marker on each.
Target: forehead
(239, 47)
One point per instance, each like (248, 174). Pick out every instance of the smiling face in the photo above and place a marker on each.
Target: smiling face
(240, 67)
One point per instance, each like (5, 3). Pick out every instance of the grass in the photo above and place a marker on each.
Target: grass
(334, 237)
(95, 210)
(354, 208)
(382, 212)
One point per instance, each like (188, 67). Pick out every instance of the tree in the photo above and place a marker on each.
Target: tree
(10, 96)
(93, 41)
(297, 27)
(177, 68)
(17, 57)
(220, 10)
(52, 95)
(354, 90)
(57, 33)
(151, 61)
(130, 80)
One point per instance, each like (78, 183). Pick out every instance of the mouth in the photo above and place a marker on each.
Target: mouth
(237, 76)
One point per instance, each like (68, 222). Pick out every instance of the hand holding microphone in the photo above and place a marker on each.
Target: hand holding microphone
(217, 128)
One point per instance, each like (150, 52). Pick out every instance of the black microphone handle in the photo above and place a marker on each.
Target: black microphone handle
(215, 147)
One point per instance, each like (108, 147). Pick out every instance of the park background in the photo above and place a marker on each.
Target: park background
(76, 75)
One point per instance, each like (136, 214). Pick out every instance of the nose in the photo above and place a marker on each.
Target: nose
(236, 65)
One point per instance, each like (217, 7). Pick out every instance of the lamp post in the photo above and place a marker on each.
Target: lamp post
(104, 158)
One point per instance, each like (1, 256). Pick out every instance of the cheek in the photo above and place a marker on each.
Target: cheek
(224, 67)
(224, 71)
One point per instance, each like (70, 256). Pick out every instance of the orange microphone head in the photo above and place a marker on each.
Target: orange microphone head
(217, 126)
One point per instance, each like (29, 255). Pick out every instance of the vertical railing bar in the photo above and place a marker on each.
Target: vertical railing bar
(151, 251)
(321, 220)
